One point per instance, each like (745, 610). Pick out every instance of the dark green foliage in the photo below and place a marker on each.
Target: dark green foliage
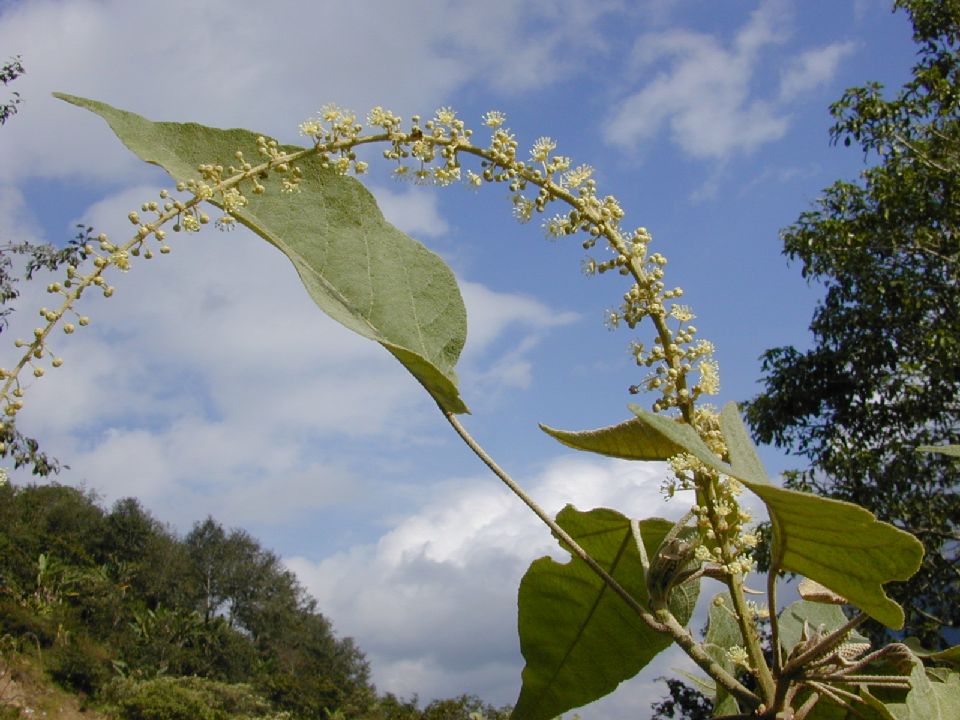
(189, 623)
(683, 702)
(464, 707)
(80, 664)
(883, 373)
(185, 698)
(10, 71)
(22, 449)
(98, 591)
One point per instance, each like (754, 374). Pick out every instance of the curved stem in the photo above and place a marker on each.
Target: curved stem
(750, 638)
(772, 574)
(704, 661)
(558, 531)
(663, 621)
(831, 641)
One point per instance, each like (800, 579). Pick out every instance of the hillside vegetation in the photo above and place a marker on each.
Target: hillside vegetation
(128, 618)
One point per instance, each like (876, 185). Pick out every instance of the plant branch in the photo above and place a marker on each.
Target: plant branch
(663, 621)
(772, 572)
(706, 663)
(751, 640)
(558, 531)
(830, 642)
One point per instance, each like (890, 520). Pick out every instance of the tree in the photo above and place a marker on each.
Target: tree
(883, 374)
(10, 71)
(25, 450)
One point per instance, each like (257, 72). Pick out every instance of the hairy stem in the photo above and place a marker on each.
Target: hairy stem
(663, 621)
(830, 642)
(706, 663)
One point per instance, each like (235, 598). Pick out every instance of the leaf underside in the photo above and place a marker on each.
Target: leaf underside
(840, 545)
(359, 269)
(579, 639)
(630, 440)
(817, 616)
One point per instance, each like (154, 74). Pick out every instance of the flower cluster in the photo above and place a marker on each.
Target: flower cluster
(430, 152)
(222, 186)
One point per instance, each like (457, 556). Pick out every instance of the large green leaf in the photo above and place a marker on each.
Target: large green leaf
(817, 616)
(840, 545)
(932, 700)
(683, 438)
(949, 656)
(952, 450)
(579, 639)
(630, 440)
(358, 268)
(723, 633)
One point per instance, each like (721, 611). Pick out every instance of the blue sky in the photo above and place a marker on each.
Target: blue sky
(210, 384)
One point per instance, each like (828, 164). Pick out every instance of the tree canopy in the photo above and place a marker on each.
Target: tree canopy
(153, 625)
(882, 375)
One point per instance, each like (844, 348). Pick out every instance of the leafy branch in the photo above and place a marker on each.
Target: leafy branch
(630, 586)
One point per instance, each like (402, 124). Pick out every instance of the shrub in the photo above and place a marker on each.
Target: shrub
(79, 664)
(186, 698)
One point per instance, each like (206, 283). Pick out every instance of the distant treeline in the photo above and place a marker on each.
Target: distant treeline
(151, 625)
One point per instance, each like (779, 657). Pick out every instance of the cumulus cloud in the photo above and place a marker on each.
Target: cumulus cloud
(414, 209)
(704, 92)
(813, 68)
(265, 66)
(211, 377)
(433, 601)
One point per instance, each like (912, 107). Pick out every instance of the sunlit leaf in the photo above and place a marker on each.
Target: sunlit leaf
(723, 633)
(953, 450)
(630, 440)
(932, 700)
(680, 435)
(818, 617)
(839, 545)
(358, 268)
(579, 639)
(744, 460)
(950, 656)
(815, 592)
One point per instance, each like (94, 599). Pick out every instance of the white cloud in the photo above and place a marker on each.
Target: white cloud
(813, 68)
(705, 93)
(412, 209)
(210, 375)
(433, 602)
(263, 66)
(17, 223)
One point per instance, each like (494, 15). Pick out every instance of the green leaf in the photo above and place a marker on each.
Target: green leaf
(838, 544)
(723, 630)
(630, 440)
(723, 633)
(681, 436)
(841, 546)
(744, 460)
(819, 617)
(953, 450)
(874, 709)
(931, 700)
(578, 638)
(950, 656)
(358, 268)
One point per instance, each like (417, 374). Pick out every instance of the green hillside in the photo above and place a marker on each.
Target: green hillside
(108, 611)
